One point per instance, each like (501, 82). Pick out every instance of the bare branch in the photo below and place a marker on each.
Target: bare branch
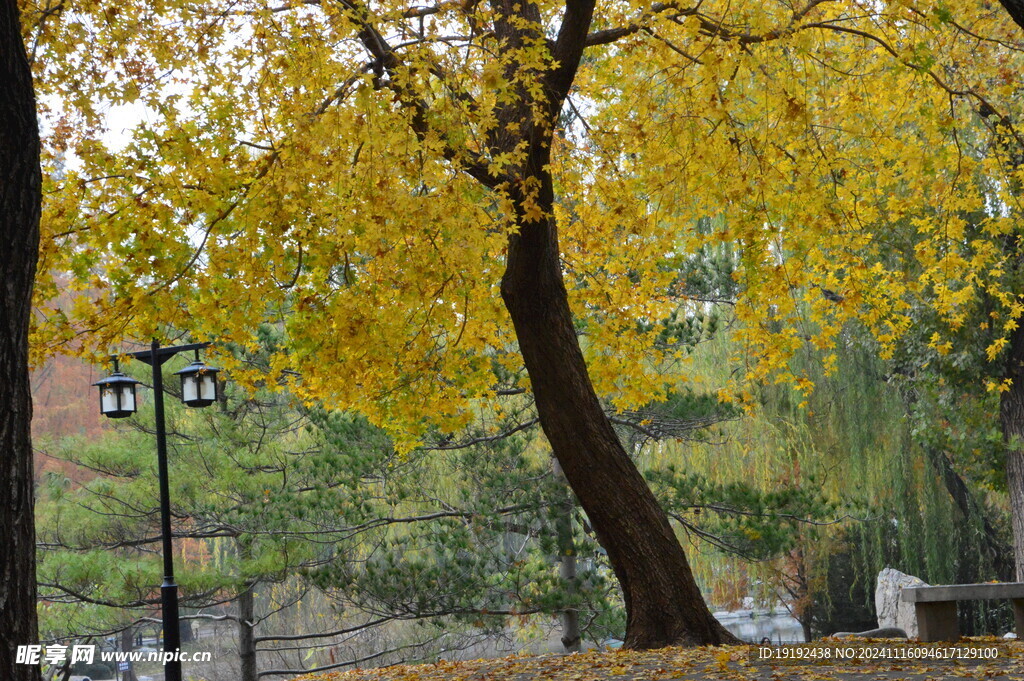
(492, 438)
(349, 663)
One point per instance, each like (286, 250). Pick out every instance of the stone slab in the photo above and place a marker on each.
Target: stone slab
(962, 592)
(936, 621)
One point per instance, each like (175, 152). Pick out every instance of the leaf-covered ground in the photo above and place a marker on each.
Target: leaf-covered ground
(738, 663)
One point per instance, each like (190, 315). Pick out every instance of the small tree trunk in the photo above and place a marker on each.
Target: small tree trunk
(128, 645)
(801, 608)
(571, 639)
(246, 638)
(20, 198)
(185, 634)
(664, 605)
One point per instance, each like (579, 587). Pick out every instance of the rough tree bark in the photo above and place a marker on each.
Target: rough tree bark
(20, 198)
(1011, 402)
(1011, 407)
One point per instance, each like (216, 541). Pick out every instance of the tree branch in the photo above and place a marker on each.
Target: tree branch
(386, 60)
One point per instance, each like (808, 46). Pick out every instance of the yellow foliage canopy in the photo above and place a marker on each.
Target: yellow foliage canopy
(272, 172)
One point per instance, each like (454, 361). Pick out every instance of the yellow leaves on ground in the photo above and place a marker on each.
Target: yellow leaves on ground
(737, 663)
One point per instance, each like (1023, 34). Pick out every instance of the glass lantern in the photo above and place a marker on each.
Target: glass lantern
(117, 395)
(198, 384)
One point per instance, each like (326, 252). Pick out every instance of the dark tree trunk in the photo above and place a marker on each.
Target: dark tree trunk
(1011, 418)
(185, 634)
(664, 606)
(20, 197)
(1015, 8)
(246, 638)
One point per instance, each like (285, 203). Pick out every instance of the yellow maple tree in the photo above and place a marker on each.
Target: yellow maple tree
(418, 193)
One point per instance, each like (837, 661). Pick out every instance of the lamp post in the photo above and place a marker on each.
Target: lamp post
(117, 400)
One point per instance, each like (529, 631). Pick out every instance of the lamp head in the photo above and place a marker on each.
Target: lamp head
(198, 384)
(117, 395)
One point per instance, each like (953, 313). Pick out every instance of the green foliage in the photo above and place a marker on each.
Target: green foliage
(264, 490)
(736, 516)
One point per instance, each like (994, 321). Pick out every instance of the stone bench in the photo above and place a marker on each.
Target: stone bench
(936, 606)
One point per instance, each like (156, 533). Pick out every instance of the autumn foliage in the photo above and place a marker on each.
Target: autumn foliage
(738, 663)
(427, 199)
(265, 166)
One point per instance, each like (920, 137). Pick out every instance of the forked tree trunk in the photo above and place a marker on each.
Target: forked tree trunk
(20, 196)
(664, 606)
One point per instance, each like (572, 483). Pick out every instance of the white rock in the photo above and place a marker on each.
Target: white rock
(892, 612)
(1009, 634)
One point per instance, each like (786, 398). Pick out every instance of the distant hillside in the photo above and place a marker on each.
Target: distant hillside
(64, 404)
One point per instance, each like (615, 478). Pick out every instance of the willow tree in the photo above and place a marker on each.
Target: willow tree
(390, 183)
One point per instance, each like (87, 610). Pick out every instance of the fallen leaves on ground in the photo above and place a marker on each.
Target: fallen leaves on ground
(739, 663)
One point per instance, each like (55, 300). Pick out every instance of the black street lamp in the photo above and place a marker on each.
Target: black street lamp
(117, 400)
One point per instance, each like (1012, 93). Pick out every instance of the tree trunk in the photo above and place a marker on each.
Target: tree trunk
(996, 550)
(246, 640)
(1015, 8)
(185, 632)
(1011, 418)
(571, 639)
(128, 645)
(664, 606)
(20, 198)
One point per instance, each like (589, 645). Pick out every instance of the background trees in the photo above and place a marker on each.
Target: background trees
(892, 206)
(311, 534)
